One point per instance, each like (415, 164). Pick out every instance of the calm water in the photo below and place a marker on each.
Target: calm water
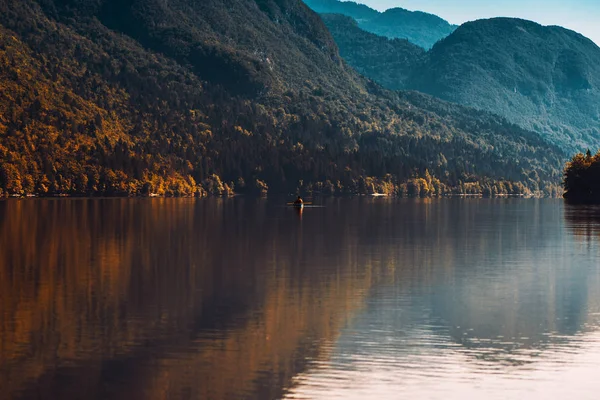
(244, 299)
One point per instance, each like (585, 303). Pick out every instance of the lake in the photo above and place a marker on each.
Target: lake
(247, 299)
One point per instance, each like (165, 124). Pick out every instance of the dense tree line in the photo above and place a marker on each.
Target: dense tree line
(582, 178)
(94, 105)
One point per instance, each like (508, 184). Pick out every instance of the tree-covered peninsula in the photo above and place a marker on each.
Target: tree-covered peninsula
(582, 178)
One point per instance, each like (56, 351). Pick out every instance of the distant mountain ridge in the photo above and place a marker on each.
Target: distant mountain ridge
(546, 79)
(389, 62)
(420, 28)
(360, 12)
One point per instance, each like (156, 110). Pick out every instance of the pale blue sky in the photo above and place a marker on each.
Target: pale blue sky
(582, 16)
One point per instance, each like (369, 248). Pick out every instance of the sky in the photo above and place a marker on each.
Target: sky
(582, 16)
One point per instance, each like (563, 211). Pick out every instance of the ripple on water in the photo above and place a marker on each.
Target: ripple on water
(426, 368)
(363, 299)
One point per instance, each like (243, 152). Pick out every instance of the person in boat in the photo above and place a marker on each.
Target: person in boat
(299, 202)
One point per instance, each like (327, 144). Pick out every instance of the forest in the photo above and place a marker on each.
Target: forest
(544, 78)
(101, 97)
(582, 178)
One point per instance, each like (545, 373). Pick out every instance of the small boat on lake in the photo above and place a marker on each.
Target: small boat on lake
(298, 203)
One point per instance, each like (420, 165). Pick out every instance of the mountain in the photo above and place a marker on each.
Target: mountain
(389, 62)
(545, 79)
(357, 11)
(184, 97)
(420, 28)
(417, 27)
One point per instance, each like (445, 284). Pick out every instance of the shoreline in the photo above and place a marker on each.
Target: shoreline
(275, 195)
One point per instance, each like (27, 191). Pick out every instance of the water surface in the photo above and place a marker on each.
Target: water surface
(244, 299)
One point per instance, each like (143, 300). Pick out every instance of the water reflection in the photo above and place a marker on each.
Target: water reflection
(583, 220)
(496, 299)
(149, 298)
(218, 299)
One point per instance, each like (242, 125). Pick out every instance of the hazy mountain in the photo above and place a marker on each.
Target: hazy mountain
(182, 97)
(417, 27)
(387, 61)
(546, 79)
(359, 12)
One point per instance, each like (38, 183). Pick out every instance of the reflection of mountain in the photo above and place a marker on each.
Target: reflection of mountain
(496, 278)
(521, 285)
(235, 299)
(486, 299)
(155, 298)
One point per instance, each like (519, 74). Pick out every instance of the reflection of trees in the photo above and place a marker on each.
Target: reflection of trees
(209, 298)
(583, 220)
(212, 299)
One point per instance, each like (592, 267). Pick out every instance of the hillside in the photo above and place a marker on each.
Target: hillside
(186, 97)
(387, 61)
(360, 12)
(417, 27)
(546, 79)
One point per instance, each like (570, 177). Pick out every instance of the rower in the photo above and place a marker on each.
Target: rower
(298, 201)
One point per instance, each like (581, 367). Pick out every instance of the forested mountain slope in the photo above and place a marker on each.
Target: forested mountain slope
(417, 27)
(546, 79)
(389, 62)
(187, 97)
